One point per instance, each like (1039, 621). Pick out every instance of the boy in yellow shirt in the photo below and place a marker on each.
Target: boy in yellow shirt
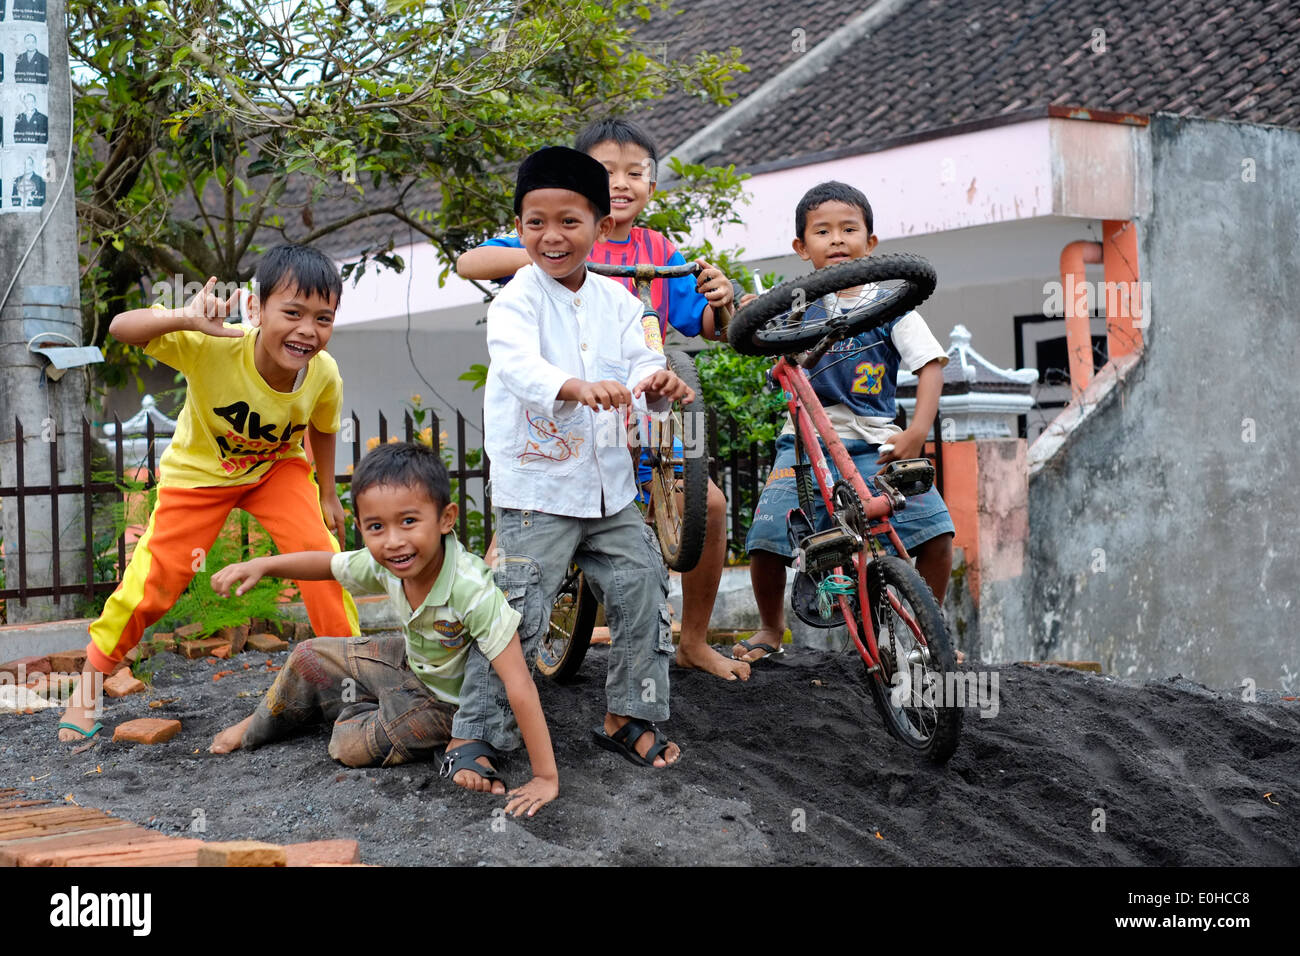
(252, 397)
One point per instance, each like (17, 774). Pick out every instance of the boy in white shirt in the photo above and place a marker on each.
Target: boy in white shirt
(568, 355)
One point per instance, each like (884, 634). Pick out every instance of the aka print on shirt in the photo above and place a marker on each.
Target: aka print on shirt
(250, 443)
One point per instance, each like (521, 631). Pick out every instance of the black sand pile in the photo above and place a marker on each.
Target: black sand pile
(778, 770)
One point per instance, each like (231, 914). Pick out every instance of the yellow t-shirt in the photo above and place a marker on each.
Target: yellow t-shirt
(234, 426)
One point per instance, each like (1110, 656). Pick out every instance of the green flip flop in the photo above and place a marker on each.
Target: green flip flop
(64, 725)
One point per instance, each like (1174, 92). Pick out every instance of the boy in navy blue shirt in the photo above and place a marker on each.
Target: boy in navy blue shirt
(855, 383)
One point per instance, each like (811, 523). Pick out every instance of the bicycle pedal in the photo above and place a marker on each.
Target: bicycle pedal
(826, 550)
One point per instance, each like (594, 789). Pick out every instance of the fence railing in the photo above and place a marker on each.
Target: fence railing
(740, 474)
(105, 544)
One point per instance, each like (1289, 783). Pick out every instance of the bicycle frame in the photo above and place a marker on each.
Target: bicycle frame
(812, 423)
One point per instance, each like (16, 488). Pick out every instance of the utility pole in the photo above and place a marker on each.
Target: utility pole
(39, 306)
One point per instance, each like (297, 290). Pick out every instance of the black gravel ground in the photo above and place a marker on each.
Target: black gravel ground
(793, 767)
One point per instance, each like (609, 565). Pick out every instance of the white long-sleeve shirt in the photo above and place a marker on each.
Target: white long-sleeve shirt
(547, 455)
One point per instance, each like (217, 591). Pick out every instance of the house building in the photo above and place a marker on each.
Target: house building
(991, 137)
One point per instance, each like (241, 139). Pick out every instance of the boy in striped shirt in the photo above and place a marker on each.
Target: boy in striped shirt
(393, 699)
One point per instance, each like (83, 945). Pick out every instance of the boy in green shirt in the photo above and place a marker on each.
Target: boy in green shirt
(392, 700)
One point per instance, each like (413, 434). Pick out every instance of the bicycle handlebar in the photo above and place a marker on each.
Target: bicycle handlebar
(643, 270)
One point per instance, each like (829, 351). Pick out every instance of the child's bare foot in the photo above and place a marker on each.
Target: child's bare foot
(232, 738)
(84, 705)
(643, 743)
(699, 655)
(764, 643)
(466, 777)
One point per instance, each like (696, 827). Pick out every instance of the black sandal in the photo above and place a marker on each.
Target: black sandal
(464, 758)
(622, 741)
(767, 649)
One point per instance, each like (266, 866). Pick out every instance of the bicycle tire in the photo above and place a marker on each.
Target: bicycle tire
(754, 329)
(681, 533)
(568, 635)
(939, 741)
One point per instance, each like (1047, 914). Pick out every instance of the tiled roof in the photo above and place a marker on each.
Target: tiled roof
(937, 63)
(763, 30)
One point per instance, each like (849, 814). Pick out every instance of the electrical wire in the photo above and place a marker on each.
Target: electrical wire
(410, 278)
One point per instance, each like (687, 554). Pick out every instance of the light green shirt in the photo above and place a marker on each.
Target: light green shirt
(464, 605)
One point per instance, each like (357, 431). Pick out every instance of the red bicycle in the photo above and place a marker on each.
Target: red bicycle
(842, 575)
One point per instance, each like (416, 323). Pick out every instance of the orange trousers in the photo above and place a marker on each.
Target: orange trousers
(182, 528)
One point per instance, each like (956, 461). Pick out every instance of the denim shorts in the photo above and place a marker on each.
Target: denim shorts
(925, 517)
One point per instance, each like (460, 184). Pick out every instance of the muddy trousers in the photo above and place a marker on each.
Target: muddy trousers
(382, 713)
(174, 546)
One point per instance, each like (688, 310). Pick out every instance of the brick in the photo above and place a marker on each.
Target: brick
(221, 653)
(196, 649)
(277, 627)
(147, 730)
(266, 643)
(302, 631)
(320, 852)
(167, 852)
(14, 804)
(47, 821)
(242, 853)
(165, 641)
(122, 683)
(26, 667)
(42, 851)
(68, 662)
(236, 636)
(188, 631)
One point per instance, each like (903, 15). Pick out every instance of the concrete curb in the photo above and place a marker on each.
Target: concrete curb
(39, 640)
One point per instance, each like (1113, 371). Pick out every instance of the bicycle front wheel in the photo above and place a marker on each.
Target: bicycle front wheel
(912, 690)
(786, 319)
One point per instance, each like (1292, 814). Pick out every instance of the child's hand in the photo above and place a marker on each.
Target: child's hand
(208, 313)
(596, 395)
(747, 298)
(332, 510)
(532, 796)
(713, 285)
(664, 383)
(247, 572)
(906, 445)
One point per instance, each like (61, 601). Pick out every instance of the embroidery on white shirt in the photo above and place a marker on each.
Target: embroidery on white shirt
(547, 444)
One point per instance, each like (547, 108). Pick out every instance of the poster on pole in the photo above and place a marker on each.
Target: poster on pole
(24, 105)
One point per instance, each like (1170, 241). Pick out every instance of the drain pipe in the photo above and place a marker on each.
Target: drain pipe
(1078, 325)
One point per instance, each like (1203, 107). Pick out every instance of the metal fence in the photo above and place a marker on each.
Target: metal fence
(740, 474)
(105, 546)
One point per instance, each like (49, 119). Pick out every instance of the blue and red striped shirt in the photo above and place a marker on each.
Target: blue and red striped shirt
(676, 300)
